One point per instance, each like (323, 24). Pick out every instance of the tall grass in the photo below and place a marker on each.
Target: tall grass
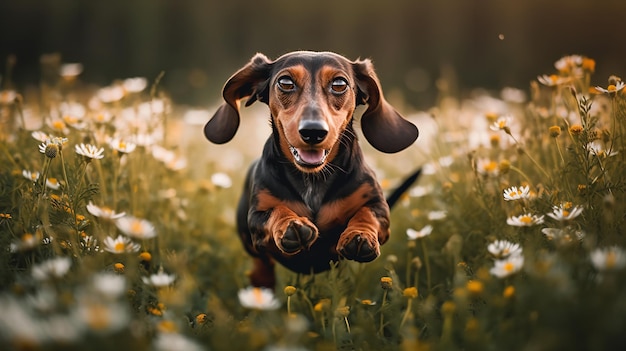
(117, 229)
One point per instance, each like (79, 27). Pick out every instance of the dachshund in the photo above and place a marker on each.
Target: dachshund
(310, 199)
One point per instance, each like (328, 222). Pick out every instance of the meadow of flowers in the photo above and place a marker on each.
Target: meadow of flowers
(117, 226)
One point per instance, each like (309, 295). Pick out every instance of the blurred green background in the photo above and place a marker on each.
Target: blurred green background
(475, 43)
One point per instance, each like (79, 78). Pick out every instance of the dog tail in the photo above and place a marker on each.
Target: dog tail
(400, 190)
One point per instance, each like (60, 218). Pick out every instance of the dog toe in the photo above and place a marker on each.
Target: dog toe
(359, 249)
(297, 236)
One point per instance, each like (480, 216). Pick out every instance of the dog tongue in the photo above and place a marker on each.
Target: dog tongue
(311, 156)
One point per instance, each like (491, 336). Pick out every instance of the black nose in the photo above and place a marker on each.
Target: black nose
(313, 131)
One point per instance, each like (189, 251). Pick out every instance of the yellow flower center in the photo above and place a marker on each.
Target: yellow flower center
(490, 167)
(491, 116)
(27, 237)
(475, 287)
(526, 219)
(136, 227)
(509, 267)
(611, 87)
(122, 145)
(53, 181)
(119, 247)
(554, 78)
(98, 317)
(258, 296)
(589, 64)
(145, 256)
(565, 213)
(58, 125)
(509, 292)
(119, 267)
(167, 326)
(611, 259)
(70, 119)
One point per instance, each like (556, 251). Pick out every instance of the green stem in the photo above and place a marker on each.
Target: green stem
(427, 263)
(529, 156)
(406, 313)
(67, 184)
(382, 312)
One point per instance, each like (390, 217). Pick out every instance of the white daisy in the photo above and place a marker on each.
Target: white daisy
(596, 148)
(612, 88)
(506, 267)
(58, 125)
(258, 298)
(103, 212)
(159, 280)
(567, 64)
(420, 191)
(122, 146)
(111, 94)
(53, 268)
(136, 227)
(503, 249)
(413, 234)
(7, 97)
(70, 70)
(100, 317)
(525, 220)
(120, 245)
(437, 215)
(515, 193)
(32, 176)
(608, 258)
(135, 85)
(221, 180)
(27, 242)
(565, 212)
(563, 236)
(90, 151)
(175, 342)
(109, 285)
(53, 183)
(40, 136)
(502, 123)
(487, 167)
(552, 80)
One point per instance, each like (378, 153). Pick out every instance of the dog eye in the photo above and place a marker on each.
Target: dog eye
(286, 84)
(339, 85)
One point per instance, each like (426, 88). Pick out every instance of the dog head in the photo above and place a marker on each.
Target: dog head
(312, 97)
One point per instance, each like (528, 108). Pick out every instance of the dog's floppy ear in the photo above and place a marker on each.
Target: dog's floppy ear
(250, 81)
(383, 127)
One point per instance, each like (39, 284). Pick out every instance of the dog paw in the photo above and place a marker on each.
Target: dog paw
(297, 235)
(358, 246)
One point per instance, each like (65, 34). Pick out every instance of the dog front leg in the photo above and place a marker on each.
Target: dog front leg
(366, 231)
(283, 228)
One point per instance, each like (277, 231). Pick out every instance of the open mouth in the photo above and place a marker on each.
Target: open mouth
(309, 157)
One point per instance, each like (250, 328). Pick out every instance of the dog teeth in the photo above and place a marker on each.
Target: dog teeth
(298, 157)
